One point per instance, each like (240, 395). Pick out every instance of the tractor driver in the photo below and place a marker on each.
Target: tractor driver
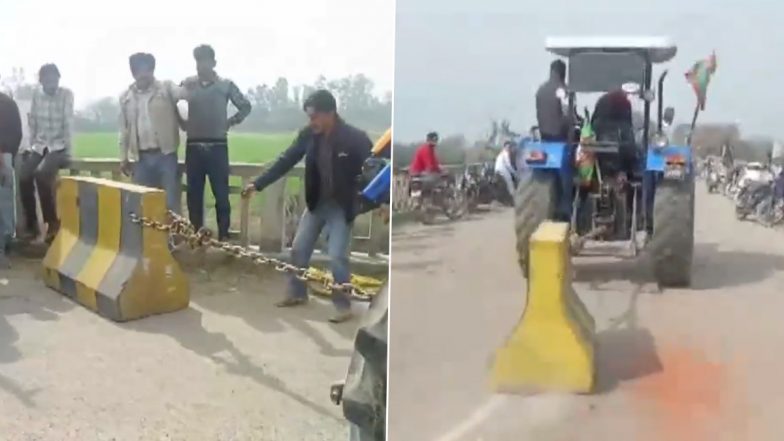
(612, 118)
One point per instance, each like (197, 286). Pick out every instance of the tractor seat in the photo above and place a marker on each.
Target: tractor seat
(626, 155)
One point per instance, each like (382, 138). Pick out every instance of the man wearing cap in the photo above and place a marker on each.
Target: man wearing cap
(334, 153)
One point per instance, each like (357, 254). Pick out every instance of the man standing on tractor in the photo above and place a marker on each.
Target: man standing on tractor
(425, 160)
(551, 99)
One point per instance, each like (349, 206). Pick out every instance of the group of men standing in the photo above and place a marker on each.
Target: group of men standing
(150, 124)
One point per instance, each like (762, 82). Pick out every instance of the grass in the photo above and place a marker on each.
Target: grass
(255, 148)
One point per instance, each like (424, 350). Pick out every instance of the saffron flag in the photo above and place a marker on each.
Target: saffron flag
(699, 76)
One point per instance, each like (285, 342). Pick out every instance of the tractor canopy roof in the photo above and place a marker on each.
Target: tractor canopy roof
(599, 64)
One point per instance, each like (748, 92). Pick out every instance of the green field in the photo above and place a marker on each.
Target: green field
(257, 148)
(243, 147)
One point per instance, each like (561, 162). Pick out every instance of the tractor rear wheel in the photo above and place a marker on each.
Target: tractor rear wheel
(534, 202)
(672, 243)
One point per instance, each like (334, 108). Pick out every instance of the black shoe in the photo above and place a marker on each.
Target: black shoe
(291, 302)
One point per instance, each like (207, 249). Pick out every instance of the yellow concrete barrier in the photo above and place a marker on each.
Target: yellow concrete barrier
(551, 349)
(104, 261)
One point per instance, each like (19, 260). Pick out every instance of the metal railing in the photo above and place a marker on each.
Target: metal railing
(269, 219)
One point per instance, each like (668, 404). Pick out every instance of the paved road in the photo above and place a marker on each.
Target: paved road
(231, 367)
(702, 364)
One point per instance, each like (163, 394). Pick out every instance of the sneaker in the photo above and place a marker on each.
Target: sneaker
(290, 302)
(341, 316)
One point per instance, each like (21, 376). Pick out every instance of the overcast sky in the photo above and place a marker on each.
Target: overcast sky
(461, 62)
(256, 40)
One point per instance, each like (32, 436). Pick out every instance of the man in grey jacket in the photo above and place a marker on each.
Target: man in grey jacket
(206, 153)
(150, 130)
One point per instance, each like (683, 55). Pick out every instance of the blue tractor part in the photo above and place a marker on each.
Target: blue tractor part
(656, 199)
(377, 191)
(376, 177)
(554, 159)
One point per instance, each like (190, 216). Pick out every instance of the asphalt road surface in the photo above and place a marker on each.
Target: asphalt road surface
(230, 367)
(699, 364)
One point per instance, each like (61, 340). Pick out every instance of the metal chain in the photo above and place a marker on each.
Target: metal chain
(202, 238)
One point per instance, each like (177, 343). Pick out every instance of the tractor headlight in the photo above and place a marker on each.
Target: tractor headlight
(660, 141)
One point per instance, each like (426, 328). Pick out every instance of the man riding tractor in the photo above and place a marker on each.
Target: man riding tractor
(608, 183)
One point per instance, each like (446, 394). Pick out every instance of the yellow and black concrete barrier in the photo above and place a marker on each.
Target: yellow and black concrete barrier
(551, 348)
(106, 262)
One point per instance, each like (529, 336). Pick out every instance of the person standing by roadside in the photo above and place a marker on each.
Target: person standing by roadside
(334, 153)
(51, 117)
(206, 153)
(150, 130)
(10, 138)
(505, 168)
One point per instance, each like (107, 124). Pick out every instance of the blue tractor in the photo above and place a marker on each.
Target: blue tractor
(639, 193)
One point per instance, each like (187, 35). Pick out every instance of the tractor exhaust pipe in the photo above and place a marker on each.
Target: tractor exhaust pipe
(660, 103)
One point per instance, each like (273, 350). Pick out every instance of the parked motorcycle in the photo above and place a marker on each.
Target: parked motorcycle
(470, 186)
(750, 198)
(433, 195)
(770, 211)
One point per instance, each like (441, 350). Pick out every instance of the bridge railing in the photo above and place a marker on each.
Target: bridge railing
(269, 219)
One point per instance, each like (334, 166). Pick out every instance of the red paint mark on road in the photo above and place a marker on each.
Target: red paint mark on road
(689, 399)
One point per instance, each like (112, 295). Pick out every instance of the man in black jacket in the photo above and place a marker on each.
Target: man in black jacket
(334, 153)
(10, 138)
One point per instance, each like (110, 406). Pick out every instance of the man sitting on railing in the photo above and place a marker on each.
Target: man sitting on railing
(334, 153)
(51, 119)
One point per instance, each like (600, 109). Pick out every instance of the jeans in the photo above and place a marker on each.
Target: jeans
(40, 171)
(7, 201)
(506, 176)
(208, 160)
(159, 170)
(330, 215)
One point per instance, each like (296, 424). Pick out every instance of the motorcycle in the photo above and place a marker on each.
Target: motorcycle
(750, 199)
(470, 186)
(432, 195)
(770, 211)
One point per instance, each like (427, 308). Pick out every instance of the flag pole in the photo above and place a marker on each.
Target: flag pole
(693, 123)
